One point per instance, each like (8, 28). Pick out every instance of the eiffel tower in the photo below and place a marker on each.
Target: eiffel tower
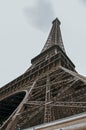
(49, 90)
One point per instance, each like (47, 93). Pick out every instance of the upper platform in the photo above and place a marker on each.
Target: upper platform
(54, 47)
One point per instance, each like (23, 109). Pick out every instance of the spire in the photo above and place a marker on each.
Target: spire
(54, 37)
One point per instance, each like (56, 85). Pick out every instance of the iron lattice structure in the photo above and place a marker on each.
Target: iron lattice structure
(49, 90)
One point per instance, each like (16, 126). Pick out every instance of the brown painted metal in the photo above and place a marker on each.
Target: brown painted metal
(53, 88)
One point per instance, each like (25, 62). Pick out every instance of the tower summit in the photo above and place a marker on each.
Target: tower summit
(49, 90)
(54, 37)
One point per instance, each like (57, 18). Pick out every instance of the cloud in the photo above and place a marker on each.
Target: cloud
(40, 15)
(84, 1)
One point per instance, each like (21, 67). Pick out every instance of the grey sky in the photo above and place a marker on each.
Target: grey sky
(24, 28)
(42, 9)
(83, 0)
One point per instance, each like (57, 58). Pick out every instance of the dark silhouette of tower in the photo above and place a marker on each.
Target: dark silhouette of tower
(49, 90)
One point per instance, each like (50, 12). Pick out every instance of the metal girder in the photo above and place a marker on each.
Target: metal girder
(24, 117)
(37, 103)
(69, 104)
(47, 113)
(52, 103)
(52, 93)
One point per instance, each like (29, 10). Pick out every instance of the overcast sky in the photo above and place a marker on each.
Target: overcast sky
(24, 28)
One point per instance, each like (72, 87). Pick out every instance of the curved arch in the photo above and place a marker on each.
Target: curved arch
(9, 105)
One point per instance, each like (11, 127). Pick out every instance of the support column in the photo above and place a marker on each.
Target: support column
(47, 113)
